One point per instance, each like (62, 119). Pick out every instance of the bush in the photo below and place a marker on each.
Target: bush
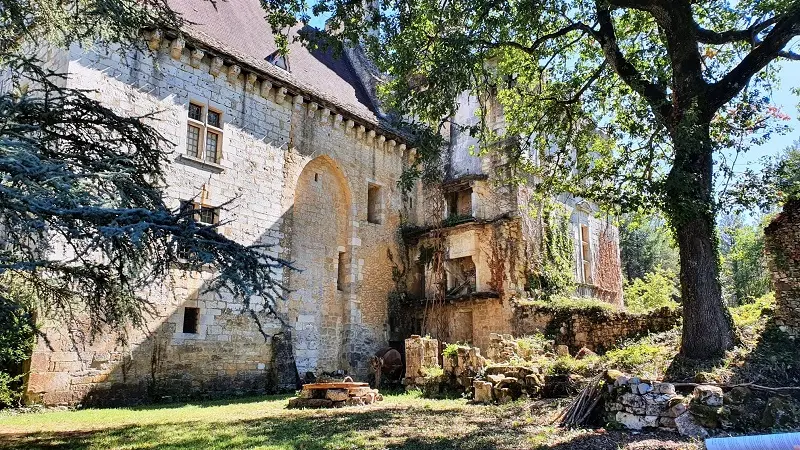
(570, 304)
(750, 314)
(656, 290)
(16, 343)
(451, 351)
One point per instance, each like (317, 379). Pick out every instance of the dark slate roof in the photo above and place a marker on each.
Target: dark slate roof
(239, 29)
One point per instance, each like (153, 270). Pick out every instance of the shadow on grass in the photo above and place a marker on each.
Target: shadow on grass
(210, 403)
(399, 428)
(773, 361)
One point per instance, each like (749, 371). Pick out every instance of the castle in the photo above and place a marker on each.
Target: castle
(300, 153)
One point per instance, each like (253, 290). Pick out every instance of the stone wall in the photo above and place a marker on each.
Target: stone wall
(782, 247)
(597, 329)
(290, 168)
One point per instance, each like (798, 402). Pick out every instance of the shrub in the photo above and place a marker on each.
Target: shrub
(451, 351)
(656, 290)
(750, 314)
(570, 304)
(16, 343)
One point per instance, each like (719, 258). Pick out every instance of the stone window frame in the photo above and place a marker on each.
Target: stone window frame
(585, 246)
(202, 322)
(375, 215)
(199, 208)
(204, 128)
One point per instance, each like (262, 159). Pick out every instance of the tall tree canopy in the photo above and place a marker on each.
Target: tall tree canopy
(639, 95)
(85, 227)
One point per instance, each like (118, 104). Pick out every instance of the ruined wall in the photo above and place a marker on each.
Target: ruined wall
(782, 247)
(595, 328)
(269, 138)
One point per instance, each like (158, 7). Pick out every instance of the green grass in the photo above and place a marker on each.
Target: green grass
(404, 421)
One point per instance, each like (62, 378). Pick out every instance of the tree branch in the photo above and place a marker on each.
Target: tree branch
(786, 28)
(725, 37)
(655, 95)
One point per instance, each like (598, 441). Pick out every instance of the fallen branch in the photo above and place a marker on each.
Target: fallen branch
(581, 408)
(756, 387)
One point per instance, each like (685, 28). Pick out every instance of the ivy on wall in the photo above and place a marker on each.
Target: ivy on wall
(553, 273)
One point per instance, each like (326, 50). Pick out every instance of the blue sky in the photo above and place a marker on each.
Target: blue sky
(788, 102)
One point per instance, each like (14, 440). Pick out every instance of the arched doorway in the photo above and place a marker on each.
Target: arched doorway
(319, 249)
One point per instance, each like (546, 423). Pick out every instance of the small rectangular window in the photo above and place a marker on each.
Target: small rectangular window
(195, 112)
(204, 214)
(341, 272)
(191, 319)
(193, 141)
(374, 203)
(214, 119)
(586, 253)
(204, 133)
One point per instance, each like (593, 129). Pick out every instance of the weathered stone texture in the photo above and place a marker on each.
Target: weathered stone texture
(297, 180)
(782, 247)
(594, 329)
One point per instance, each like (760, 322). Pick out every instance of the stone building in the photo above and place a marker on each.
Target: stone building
(490, 232)
(308, 165)
(303, 159)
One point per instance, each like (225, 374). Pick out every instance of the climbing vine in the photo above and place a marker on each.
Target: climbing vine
(552, 274)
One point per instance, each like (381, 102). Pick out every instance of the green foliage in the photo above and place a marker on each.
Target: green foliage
(561, 304)
(658, 289)
(554, 273)
(647, 356)
(750, 314)
(567, 365)
(744, 269)
(432, 374)
(777, 183)
(534, 344)
(17, 332)
(451, 351)
(645, 242)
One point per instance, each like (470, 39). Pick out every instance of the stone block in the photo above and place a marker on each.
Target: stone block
(483, 391)
(707, 395)
(636, 421)
(337, 395)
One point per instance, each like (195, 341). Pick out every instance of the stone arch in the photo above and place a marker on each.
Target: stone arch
(320, 244)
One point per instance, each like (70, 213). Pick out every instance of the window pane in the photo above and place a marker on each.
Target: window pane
(195, 111)
(214, 119)
(208, 215)
(193, 141)
(211, 146)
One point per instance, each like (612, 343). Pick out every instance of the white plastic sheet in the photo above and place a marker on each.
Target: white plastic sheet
(785, 441)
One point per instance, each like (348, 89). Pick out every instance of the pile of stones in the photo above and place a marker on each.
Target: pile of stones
(505, 383)
(335, 395)
(636, 403)
(462, 368)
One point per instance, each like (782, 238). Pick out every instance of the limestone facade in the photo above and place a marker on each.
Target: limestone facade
(297, 168)
(490, 237)
(782, 249)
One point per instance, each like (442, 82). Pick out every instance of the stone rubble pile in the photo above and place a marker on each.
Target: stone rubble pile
(635, 403)
(505, 383)
(421, 354)
(462, 368)
(313, 396)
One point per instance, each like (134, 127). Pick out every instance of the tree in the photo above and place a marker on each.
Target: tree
(638, 95)
(84, 223)
(645, 244)
(744, 270)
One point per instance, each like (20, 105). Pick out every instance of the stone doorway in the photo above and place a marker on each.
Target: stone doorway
(320, 290)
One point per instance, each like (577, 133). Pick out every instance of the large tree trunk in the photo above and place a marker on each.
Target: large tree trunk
(707, 326)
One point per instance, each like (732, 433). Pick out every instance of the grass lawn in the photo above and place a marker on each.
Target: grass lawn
(403, 421)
